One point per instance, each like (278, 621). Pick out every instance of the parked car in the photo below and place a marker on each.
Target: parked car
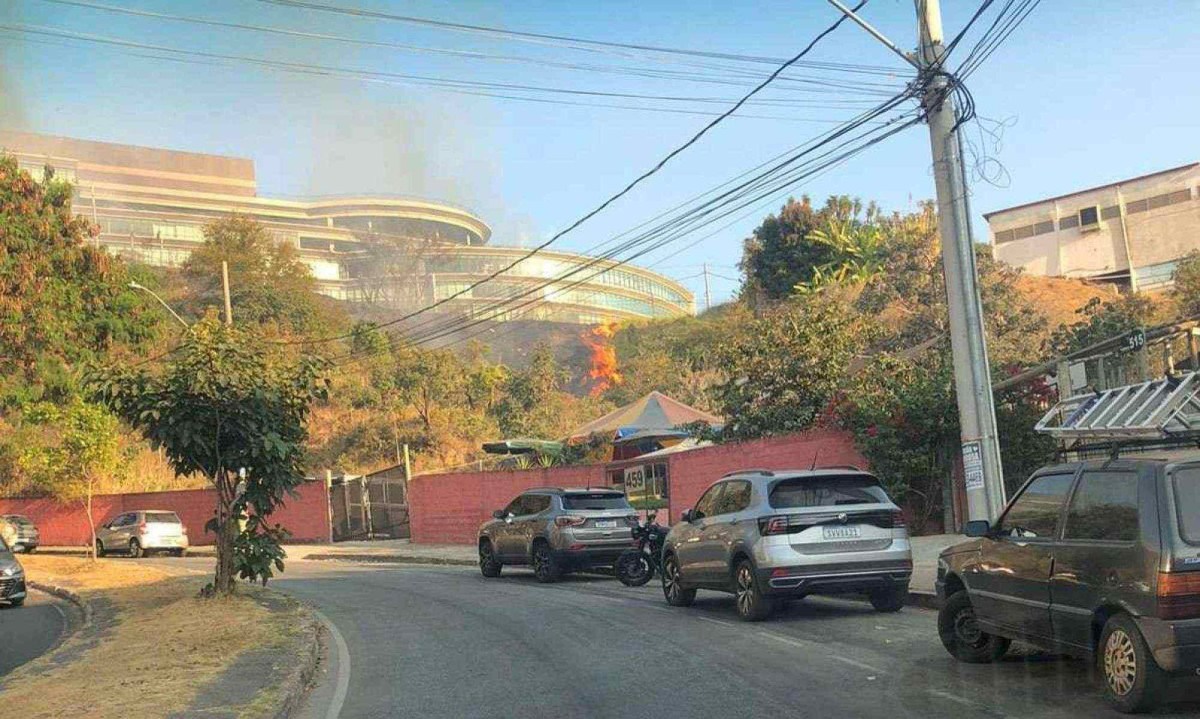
(27, 537)
(12, 577)
(768, 536)
(143, 532)
(557, 530)
(1096, 559)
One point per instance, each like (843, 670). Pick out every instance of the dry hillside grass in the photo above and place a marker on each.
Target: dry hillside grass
(149, 653)
(1059, 298)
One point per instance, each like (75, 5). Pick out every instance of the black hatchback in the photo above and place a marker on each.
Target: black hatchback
(1099, 559)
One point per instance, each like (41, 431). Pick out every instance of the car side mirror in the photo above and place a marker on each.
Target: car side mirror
(978, 528)
(688, 515)
(498, 514)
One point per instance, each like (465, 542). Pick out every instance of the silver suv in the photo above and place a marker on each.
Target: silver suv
(142, 532)
(557, 530)
(767, 536)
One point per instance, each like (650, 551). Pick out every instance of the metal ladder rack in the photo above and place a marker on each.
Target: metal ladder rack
(1159, 409)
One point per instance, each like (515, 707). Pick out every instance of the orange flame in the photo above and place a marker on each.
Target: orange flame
(604, 357)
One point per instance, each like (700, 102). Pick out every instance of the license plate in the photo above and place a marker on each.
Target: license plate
(839, 532)
(606, 523)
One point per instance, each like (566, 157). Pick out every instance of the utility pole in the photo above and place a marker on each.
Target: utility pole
(982, 469)
(707, 294)
(968, 344)
(225, 286)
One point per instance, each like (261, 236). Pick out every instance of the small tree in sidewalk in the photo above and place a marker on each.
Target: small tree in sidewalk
(71, 452)
(225, 403)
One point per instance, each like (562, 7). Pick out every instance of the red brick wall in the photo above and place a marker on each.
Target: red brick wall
(448, 508)
(306, 516)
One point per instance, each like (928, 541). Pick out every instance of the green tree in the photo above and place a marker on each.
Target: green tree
(786, 367)
(76, 451)
(63, 301)
(225, 403)
(268, 282)
(1187, 284)
(428, 379)
(782, 252)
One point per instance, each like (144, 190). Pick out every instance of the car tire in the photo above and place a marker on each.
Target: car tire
(30, 550)
(545, 566)
(181, 553)
(135, 549)
(489, 565)
(887, 601)
(1133, 681)
(99, 548)
(16, 602)
(961, 635)
(752, 604)
(673, 590)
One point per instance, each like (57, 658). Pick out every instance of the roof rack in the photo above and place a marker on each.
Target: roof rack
(764, 472)
(1158, 409)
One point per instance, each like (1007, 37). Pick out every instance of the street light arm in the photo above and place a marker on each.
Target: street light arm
(147, 290)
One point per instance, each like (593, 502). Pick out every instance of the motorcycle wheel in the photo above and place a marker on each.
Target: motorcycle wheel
(634, 568)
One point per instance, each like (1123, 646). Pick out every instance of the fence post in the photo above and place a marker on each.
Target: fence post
(329, 502)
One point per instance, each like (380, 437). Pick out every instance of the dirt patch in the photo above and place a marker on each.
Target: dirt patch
(160, 645)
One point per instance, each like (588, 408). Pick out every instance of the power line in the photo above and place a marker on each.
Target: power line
(625, 190)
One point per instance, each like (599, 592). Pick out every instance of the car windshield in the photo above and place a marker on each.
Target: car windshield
(828, 491)
(1187, 502)
(18, 521)
(162, 518)
(595, 500)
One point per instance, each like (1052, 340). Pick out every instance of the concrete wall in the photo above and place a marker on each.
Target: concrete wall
(305, 516)
(448, 508)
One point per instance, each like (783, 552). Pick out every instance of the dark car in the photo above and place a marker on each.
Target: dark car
(1098, 559)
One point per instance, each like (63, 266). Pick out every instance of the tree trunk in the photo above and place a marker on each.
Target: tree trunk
(87, 508)
(227, 533)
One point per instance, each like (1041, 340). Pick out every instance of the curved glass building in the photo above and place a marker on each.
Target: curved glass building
(394, 252)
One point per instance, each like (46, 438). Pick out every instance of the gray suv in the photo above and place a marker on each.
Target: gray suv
(767, 536)
(557, 530)
(1098, 559)
(26, 537)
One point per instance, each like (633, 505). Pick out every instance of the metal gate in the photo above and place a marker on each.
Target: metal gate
(373, 506)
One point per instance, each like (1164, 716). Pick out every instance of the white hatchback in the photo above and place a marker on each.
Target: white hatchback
(142, 532)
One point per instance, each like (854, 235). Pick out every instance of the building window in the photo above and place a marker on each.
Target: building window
(1068, 222)
(1110, 212)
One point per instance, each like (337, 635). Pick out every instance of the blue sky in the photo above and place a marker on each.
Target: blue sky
(1089, 93)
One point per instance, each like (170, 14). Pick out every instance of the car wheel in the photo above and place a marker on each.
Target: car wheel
(99, 548)
(887, 601)
(30, 550)
(180, 553)
(17, 602)
(489, 566)
(673, 590)
(545, 567)
(961, 635)
(752, 605)
(1133, 682)
(135, 549)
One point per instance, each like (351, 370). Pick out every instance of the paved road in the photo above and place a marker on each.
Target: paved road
(26, 632)
(445, 642)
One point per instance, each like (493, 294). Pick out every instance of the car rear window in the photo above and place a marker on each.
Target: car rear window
(162, 518)
(1187, 503)
(828, 491)
(595, 500)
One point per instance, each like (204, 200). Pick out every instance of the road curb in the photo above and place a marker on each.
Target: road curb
(295, 686)
(392, 559)
(924, 600)
(71, 596)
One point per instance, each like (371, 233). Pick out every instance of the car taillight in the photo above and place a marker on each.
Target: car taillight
(772, 525)
(568, 520)
(1179, 595)
(141, 528)
(182, 529)
(898, 520)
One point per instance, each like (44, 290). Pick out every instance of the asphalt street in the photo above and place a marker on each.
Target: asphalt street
(28, 631)
(425, 641)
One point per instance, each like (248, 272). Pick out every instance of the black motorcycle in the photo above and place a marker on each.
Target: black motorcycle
(637, 565)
